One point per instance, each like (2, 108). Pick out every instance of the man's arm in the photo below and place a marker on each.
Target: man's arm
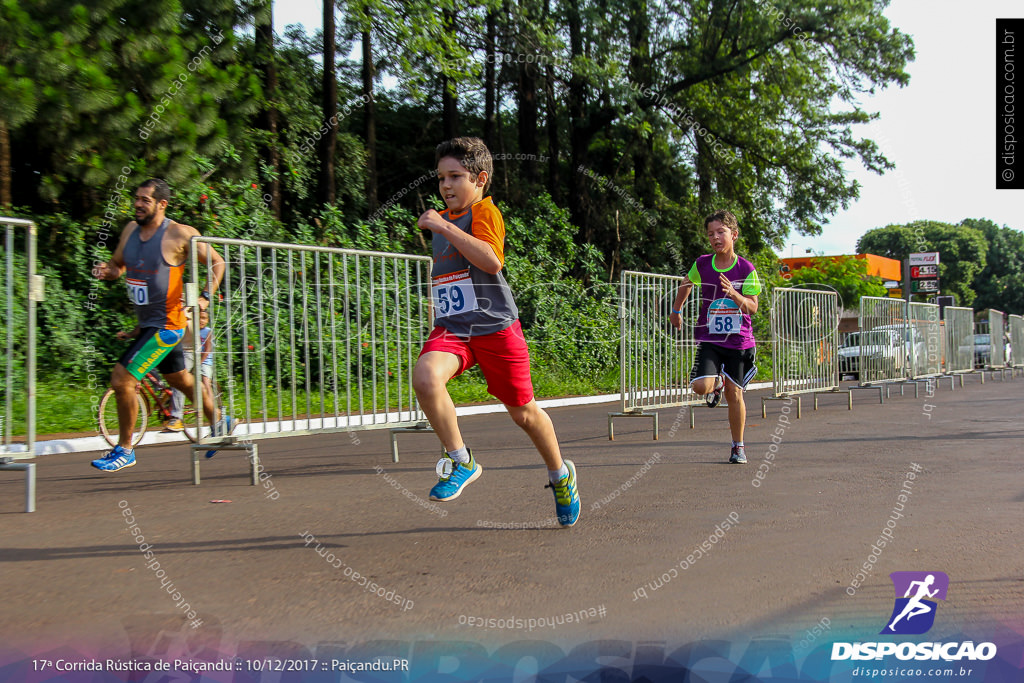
(114, 268)
(208, 255)
(476, 251)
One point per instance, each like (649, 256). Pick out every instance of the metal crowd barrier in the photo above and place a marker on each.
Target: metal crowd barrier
(655, 358)
(925, 340)
(805, 345)
(958, 355)
(884, 354)
(996, 332)
(313, 339)
(1016, 325)
(20, 294)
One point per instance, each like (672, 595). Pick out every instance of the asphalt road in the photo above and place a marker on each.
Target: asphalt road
(780, 554)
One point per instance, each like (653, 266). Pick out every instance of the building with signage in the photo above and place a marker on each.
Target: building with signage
(889, 269)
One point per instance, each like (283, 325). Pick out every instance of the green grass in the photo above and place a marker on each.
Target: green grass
(70, 406)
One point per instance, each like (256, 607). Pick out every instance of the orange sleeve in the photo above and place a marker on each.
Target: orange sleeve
(489, 226)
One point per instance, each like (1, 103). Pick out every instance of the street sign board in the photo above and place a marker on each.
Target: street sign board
(924, 271)
(926, 258)
(895, 293)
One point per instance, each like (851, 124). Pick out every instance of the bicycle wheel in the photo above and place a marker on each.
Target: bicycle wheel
(107, 418)
(190, 415)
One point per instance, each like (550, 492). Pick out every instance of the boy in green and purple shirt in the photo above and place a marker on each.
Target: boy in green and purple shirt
(729, 287)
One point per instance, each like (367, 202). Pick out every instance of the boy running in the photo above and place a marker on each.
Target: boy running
(729, 287)
(476, 321)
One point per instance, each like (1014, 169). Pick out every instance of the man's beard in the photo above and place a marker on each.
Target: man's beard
(146, 219)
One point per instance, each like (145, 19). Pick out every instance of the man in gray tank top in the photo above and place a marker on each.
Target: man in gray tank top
(152, 252)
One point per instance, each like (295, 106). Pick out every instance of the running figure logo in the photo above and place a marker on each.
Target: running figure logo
(914, 612)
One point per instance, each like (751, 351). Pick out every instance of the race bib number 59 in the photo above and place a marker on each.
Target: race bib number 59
(138, 292)
(724, 317)
(452, 294)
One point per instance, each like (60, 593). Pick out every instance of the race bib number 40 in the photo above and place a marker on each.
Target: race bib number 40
(724, 317)
(138, 292)
(452, 294)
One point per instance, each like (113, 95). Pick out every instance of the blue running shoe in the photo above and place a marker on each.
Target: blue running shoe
(738, 457)
(567, 496)
(222, 428)
(453, 477)
(115, 460)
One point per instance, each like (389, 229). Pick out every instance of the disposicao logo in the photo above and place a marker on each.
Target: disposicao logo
(916, 592)
(913, 614)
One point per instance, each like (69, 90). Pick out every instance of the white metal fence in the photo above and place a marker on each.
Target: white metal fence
(924, 337)
(959, 338)
(996, 332)
(1016, 328)
(22, 290)
(885, 344)
(655, 358)
(805, 344)
(314, 339)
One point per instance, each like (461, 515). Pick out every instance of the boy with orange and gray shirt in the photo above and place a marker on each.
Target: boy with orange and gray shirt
(476, 321)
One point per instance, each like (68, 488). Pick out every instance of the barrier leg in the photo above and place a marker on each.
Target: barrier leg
(653, 416)
(420, 428)
(250, 448)
(29, 468)
(254, 463)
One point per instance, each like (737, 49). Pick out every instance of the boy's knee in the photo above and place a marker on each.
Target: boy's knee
(425, 380)
(527, 417)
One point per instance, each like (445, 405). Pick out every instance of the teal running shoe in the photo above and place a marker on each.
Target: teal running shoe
(567, 497)
(738, 456)
(115, 460)
(453, 477)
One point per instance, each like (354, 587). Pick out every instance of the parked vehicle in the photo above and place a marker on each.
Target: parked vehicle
(882, 353)
(981, 346)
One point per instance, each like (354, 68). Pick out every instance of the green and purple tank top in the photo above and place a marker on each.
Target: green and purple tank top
(720, 321)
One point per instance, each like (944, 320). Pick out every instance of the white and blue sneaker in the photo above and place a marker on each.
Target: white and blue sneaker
(567, 496)
(453, 477)
(115, 460)
(226, 425)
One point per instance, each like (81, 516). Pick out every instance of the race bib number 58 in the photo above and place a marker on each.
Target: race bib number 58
(452, 294)
(724, 317)
(138, 292)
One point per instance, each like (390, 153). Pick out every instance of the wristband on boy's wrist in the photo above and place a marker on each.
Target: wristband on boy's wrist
(677, 312)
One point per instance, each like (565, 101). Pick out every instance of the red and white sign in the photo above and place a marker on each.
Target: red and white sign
(924, 271)
(927, 258)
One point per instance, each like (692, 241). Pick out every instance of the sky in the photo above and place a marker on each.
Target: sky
(939, 130)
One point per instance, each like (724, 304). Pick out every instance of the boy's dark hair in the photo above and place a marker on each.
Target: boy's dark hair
(724, 217)
(471, 153)
(161, 190)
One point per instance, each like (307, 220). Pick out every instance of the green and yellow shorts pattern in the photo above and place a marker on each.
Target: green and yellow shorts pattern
(155, 348)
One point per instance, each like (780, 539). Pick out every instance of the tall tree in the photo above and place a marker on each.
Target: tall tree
(1000, 284)
(268, 120)
(329, 140)
(962, 251)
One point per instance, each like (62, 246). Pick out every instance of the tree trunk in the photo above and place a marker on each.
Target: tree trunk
(326, 194)
(554, 183)
(640, 75)
(370, 119)
(268, 117)
(5, 168)
(448, 97)
(577, 128)
(490, 93)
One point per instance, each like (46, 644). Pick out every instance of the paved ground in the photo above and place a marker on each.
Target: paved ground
(73, 574)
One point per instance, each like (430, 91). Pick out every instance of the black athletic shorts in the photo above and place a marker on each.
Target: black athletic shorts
(736, 364)
(154, 348)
